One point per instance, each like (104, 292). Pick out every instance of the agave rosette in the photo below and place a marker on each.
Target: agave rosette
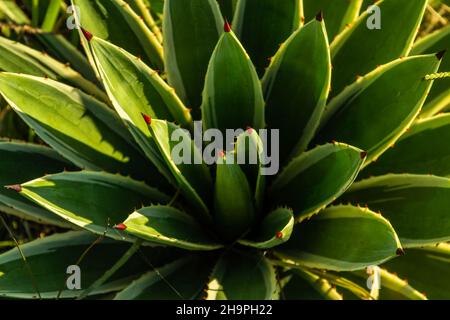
(345, 199)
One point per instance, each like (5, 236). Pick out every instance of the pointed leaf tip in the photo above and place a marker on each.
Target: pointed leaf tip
(363, 155)
(227, 27)
(120, 227)
(147, 119)
(87, 34)
(441, 54)
(319, 16)
(16, 187)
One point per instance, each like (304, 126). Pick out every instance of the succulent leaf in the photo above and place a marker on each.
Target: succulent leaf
(302, 67)
(341, 238)
(65, 51)
(94, 201)
(359, 49)
(183, 279)
(190, 172)
(76, 125)
(227, 7)
(304, 285)
(49, 258)
(338, 14)
(250, 146)
(115, 21)
(19, 58)
(375, 111)
(243, 275)
(233, 200)
(391, 286)
(275, 229)
(316, 178)
(134, 88)
(232, 98)
(421, 150)
(191, 30)
(416, 205)
(439, 96)
(38, 160)
(169, 226)
(426, 269)
(263, 25)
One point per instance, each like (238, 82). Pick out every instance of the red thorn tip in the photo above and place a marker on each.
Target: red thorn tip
(221, 154)
(87, 34)
(15, 187)
(227, 27)
(400, 252)
(363, 155)
(249, 130)
(120, 226)
(441, 54)
(147, 119)
(319, 16)
(279, 235)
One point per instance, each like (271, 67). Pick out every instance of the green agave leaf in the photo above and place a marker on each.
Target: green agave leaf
(304, 285)
(416, 205)
(275, 229)
(422, 150)
(94, 201)
(232, 98)
(134, 87)
(316, 178)
(143, 9)
(439, 97)
(14, 60)
(169, 226)
(359, 49)
(425, 269)
(135, 90)
(47, 261)
(249, 155)
(76, 125)
(65, 51)
(391, 286)
(227, 7)
(341, 238)
(191, 30)
(245, 275)
(302, 68)
(190, 172)
(183, 279)
(115, 21)
(344, 283)
(263, 25)
(51, 15)
(379, 107)
(19, 58)
(338, 13)
(13, 12)
(234, 211)
(394, 284)
(21, 162)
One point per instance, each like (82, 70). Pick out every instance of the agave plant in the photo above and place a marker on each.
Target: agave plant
(345, 206)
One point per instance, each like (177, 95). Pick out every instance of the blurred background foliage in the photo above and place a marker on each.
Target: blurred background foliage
(42, 25)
